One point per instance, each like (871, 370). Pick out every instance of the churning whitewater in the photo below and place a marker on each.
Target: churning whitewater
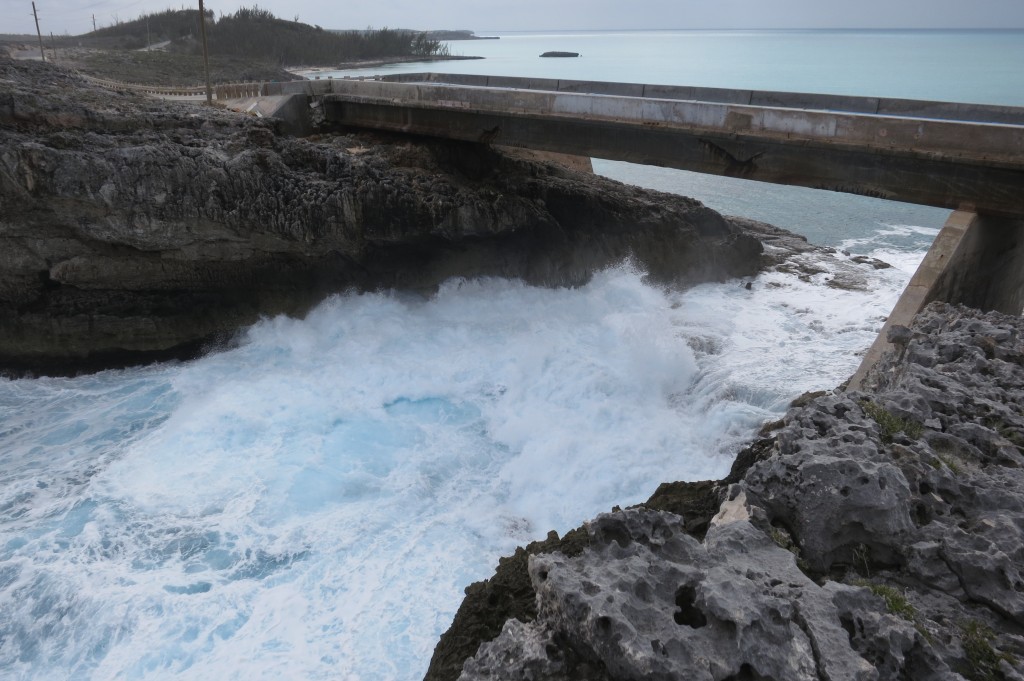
(311, 503)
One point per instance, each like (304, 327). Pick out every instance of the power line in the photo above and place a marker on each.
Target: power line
(38, 33)
(206, 56)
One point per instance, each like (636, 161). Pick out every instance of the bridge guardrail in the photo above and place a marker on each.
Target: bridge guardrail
(240, 90)
(224, 91)
(169, 90)
(219, 91)
(879, 106)
(955, 141)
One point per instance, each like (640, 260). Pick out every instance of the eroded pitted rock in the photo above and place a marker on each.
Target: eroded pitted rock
(832, 485)
(920, 481)
(932, 458)
(648, 601)
(890, 643)
(880, 537)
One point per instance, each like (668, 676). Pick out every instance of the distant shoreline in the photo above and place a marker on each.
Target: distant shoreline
(64, 40)
(370, 63)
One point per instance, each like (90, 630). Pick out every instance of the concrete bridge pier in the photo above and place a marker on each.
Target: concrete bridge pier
(581, 163)
(976, 260)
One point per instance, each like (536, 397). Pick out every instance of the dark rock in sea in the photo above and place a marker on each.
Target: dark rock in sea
(560, 54)
(874, 262)
(875, 535)
(134, 228)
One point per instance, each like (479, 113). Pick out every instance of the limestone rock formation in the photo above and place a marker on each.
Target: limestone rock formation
(875, 535)
(131, 226)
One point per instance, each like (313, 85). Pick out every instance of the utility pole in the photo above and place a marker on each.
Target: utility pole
(36, 15)
(206, 56)
(93, 23)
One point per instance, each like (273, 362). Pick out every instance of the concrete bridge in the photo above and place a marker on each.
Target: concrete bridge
(966, 157)
(932, 153)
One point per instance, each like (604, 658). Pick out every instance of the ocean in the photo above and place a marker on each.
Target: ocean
(312, 503)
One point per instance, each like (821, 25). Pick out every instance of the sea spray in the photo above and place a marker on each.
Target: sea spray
(312, 503)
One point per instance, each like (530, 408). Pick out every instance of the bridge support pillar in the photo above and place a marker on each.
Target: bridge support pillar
(976, 260)
(580, 163)
(291, 109)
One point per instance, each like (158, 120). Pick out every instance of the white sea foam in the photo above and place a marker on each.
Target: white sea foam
(892, 236)
(311, 504)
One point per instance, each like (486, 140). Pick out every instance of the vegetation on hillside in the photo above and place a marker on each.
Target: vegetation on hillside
(164, 68)
(171, 24)
(255, 33)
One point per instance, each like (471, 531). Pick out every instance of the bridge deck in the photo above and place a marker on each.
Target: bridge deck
(882, 106)
(934, 153)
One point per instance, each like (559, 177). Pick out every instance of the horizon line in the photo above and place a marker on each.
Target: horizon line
(732, 28)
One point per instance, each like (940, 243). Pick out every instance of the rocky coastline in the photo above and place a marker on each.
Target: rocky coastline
(867, 535)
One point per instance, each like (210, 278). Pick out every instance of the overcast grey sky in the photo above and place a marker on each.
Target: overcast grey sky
(75, 16)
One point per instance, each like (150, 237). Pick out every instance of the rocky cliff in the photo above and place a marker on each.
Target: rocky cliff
(871, 535)
(132, 228)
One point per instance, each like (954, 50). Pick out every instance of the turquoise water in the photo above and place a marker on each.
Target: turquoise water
(964, 66)
(311, 504)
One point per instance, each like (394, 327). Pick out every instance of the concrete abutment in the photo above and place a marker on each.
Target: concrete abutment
(976, 261)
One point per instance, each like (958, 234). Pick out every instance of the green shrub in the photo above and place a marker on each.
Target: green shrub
(895, 601)
(890, 424)
(256, 33)
(950, 462)
(785, 541)
(981, 656)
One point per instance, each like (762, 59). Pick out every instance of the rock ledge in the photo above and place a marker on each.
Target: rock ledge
(131, 227)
